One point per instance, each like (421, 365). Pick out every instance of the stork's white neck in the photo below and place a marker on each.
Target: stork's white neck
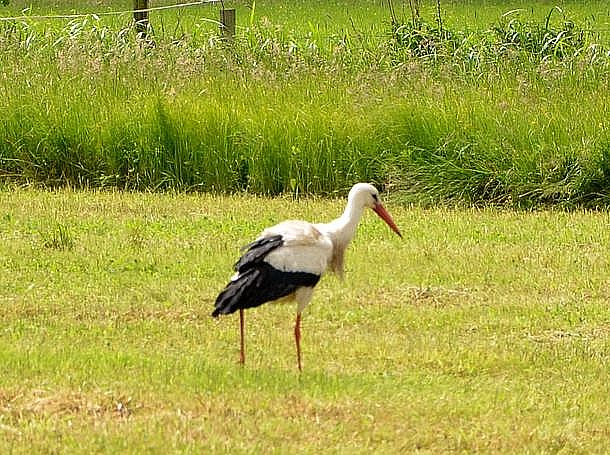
(344, 228)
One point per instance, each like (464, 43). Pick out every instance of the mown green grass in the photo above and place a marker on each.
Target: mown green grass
(310, 106)
(481, 330)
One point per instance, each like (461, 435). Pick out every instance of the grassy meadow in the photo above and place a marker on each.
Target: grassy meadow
(494, 108)
(480, 331)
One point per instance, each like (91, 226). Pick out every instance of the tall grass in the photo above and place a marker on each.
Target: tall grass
(513, 113)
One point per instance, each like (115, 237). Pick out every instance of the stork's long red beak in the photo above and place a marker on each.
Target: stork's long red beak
(385, 216)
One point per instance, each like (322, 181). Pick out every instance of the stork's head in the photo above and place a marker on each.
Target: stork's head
(366, 195)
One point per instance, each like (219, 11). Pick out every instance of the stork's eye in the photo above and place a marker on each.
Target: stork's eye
(375, 197)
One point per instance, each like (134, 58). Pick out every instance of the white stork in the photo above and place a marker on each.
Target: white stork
(287, 260)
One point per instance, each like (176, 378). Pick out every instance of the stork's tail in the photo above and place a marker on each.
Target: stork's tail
(232, 298)
(246, 290)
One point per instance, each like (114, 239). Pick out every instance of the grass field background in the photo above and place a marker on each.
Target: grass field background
(503, 109)
(481, 330)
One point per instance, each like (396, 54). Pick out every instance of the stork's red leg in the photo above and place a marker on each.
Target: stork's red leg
(242, 351)
(297, 339)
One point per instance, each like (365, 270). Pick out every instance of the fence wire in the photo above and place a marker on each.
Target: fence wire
(107, 13)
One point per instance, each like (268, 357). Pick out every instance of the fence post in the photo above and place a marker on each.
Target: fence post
(227, 24)
(140, 17)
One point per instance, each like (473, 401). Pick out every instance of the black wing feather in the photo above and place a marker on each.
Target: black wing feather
(258, 284)
(258, 281)
(256, 251)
